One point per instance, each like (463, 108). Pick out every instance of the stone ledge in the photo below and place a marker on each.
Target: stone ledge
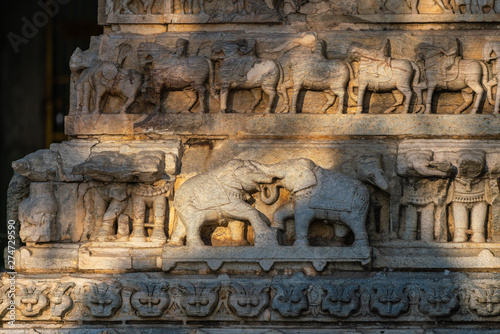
(287, 125)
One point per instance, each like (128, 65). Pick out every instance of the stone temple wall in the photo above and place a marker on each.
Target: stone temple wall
(275, 166)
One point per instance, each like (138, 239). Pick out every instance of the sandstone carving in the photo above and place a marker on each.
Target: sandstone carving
(247, 300)
(199, 300)
(315, 195)
(99, 78)
(60, 301)
(124, 6)
(491, 52)
(188, 6)
(379, 72)
(439, 301)
(290, 300)
(388, 300)
(315, 72)
(341, 300)
(178, 71)
(445, 70)
(220, 194)
(240, 68)
(150, 299)
(470, 197)
(32, 299)
(485, 300)
(425, 187)
(102, 300)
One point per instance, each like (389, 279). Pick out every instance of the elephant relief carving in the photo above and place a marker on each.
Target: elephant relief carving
(217, 196)
(97, 78)
(240, 68)
(318, 193)
(175, 70)
(379, 72)
(446, 70)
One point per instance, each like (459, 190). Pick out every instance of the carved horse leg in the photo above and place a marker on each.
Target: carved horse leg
(99, 92)
(202, 95)
(428, 104)
(257, 95)
(468, 96)
(330, 100)
(408, 93)
(271, 93)
(130, 100)
(295, 96)
(193, 98)
(478, 89)
(399, 101)
(224, 94)
(361, 97)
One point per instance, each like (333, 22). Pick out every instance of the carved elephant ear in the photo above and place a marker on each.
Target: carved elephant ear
(109, 71)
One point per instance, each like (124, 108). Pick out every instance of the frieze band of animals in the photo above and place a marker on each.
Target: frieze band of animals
(302, 65)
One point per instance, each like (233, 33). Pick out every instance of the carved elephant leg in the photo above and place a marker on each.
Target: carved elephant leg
(295, 96)
(115, 209)
(478, 220)
(271, 93)
(193, 230)
(281, 215)
(468, 97)
(286, 100)
(178, 234)
(330, 100)
(159, 208)
(478, 89)
(461, 219)
(242, 211)
(427, 223)
(356, 221)
(139, 207)
(304, 216)
(410, 227)
(257, 95)
(193, 98)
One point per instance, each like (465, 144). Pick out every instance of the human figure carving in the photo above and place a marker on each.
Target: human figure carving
(469, 197)
(172, 71)
(425, 186)
(124, 6)
(379, 72)
(413, 4)
(446, 70)
(240, 68)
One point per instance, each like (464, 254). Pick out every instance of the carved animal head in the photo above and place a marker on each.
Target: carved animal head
(389, 301)
(102, 300)
(150, 300)
(422, 163)
(81, 60)
(370, 169)
(290, 299)
(32, 299)
(439, 300)
(200, 300)
(341, 300)
(485, 300)
(248, 300)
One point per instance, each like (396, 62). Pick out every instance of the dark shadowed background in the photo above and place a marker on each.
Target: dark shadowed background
(34, 89)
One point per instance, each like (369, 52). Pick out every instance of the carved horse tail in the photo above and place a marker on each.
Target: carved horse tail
(211, 80)
(352, 82)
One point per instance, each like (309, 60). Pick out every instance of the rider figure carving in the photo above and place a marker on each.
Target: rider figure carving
(443, 59)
